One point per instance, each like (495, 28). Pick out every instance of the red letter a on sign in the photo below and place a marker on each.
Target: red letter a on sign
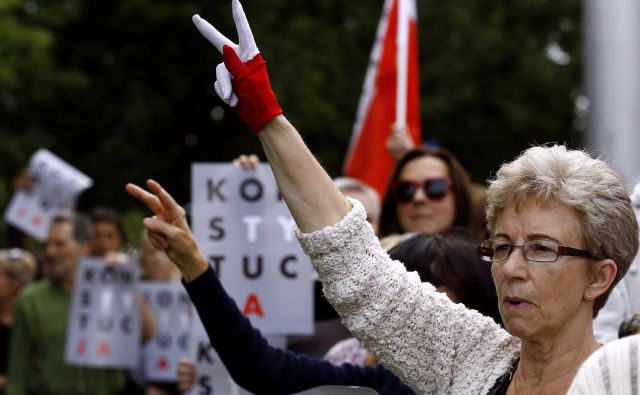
(104, 349)
(253, 306)
(162, 364)
(82, 346)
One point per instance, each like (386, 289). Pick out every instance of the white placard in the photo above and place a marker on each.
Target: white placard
(211, 375)
(246, 231)
(104, 321)
(56, 185)
(172, 311)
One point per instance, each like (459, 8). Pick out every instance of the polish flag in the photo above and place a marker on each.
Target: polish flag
(391, 93)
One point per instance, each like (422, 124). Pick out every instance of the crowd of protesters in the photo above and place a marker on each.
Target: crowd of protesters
(441, 286)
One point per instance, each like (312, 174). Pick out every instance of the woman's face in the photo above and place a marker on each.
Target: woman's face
(421, 213)
(541, 300)
(157, 266)
(8, 287)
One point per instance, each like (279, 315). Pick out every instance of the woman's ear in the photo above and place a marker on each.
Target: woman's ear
(603, 272)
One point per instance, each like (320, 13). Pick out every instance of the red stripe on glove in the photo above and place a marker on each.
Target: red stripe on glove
(257, 103)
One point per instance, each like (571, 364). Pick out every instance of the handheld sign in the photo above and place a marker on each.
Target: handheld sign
(104, 322)
(211, 375)
(172, 310)
(245, 229)
(56, 185)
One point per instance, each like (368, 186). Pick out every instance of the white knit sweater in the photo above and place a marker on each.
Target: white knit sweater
(433, 344)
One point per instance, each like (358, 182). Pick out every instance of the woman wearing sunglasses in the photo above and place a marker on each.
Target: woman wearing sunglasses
(428, 192)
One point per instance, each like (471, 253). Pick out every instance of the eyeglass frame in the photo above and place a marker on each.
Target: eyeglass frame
(420, 185)
(562, 251)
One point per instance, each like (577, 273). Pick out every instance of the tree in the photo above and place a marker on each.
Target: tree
(123, 89)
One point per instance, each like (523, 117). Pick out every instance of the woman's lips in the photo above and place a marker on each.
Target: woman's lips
(516, 303)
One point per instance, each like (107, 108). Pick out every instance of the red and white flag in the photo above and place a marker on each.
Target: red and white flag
(391, 93)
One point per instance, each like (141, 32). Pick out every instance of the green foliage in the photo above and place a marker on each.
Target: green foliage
(123, 89)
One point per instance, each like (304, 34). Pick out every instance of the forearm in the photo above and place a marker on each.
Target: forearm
(307, 189)
(257, 366)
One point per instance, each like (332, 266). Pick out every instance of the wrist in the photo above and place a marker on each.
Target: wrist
(195, 269)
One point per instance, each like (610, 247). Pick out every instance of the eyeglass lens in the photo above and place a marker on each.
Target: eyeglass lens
(534, 250)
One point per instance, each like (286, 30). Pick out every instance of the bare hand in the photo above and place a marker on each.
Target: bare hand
(186, 374)
(247, 161)
(399, 142)
(168, 230)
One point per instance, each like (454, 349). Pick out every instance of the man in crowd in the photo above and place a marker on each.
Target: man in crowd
(36, 364)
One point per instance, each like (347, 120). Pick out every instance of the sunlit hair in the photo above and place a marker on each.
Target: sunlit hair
(552, 174)
(19, 265)
(389, 223)
(346, 184)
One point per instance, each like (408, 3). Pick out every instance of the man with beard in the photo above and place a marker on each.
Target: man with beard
(36, 364)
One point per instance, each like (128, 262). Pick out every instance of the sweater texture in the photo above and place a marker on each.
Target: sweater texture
(434, 345)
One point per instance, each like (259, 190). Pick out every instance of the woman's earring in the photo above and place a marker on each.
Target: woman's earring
(589, 298)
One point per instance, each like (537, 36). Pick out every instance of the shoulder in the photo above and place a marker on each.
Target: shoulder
(34, 290)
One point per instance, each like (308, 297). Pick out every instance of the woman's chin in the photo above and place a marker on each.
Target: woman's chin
(518, 327)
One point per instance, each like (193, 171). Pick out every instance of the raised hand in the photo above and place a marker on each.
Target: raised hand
(168, 229)
(242, 79)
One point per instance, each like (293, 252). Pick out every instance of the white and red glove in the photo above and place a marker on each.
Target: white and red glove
(242, 78)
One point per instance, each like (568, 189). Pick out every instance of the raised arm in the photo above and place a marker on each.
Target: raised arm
(308, 191)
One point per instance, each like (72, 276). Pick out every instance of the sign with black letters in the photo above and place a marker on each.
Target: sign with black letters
(56, 185)
(246, 231)
(104, 320)
(173, 312)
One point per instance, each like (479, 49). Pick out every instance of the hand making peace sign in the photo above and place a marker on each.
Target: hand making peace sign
(169, 230)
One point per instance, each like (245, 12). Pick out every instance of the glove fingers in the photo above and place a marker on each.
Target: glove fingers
(246, 42)
(224, 81)
(231, 60)
(211, 33)
(232, 100)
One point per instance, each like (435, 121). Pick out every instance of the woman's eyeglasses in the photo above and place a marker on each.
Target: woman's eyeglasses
(495, 250)
(435, 189)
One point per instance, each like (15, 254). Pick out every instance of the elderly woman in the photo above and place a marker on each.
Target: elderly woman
(562, 233)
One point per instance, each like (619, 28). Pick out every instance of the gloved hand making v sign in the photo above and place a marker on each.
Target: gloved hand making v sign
(242, 78)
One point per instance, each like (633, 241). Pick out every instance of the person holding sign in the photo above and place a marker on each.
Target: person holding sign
(36, 364)
(563, 234)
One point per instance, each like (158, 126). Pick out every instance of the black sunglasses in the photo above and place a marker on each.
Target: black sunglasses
(435, 189)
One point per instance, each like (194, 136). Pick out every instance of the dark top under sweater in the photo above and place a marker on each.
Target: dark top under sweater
(262, 369)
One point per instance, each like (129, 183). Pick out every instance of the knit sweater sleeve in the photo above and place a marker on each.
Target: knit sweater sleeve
(263, 369)
(433, 344)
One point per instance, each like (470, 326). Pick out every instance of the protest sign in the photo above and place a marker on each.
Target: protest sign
(172, 310)
(104, 322)
(211, 375)
(246, 231)
(56, 185)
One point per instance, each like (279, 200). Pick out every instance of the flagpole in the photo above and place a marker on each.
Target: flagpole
(402, 62)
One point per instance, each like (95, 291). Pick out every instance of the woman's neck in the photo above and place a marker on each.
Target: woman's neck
(549, 366)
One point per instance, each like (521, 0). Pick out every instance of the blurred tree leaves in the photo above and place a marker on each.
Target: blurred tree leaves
(123, 89)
